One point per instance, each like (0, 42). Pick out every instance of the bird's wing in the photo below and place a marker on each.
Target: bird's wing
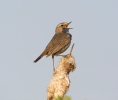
(58, 42)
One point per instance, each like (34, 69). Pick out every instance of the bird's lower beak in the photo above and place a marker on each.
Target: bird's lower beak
(70, 28)
(68, 24)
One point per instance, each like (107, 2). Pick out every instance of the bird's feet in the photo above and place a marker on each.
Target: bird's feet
(53, 70)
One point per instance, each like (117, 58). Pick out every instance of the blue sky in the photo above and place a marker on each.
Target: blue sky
(27, 26)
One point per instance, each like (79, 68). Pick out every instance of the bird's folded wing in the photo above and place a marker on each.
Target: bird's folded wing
(58, 42)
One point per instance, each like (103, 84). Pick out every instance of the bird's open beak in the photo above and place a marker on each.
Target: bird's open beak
(68, 24)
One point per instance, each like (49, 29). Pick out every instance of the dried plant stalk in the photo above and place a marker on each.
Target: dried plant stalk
(60, 82)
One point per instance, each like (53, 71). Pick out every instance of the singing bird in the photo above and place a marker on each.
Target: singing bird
(59, 43)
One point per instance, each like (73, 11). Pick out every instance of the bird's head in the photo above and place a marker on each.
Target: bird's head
(62, 27)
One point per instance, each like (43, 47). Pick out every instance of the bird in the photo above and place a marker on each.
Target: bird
(59, 43)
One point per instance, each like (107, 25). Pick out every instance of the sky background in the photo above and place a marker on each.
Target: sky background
(27, 26)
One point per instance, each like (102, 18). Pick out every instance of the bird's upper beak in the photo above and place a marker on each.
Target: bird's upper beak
(68, 24)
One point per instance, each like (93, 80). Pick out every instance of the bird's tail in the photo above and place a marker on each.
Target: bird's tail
(44, 53)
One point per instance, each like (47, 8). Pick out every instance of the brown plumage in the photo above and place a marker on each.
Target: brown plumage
(59, 43)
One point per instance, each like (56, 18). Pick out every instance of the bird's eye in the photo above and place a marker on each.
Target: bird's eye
(62, 25)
